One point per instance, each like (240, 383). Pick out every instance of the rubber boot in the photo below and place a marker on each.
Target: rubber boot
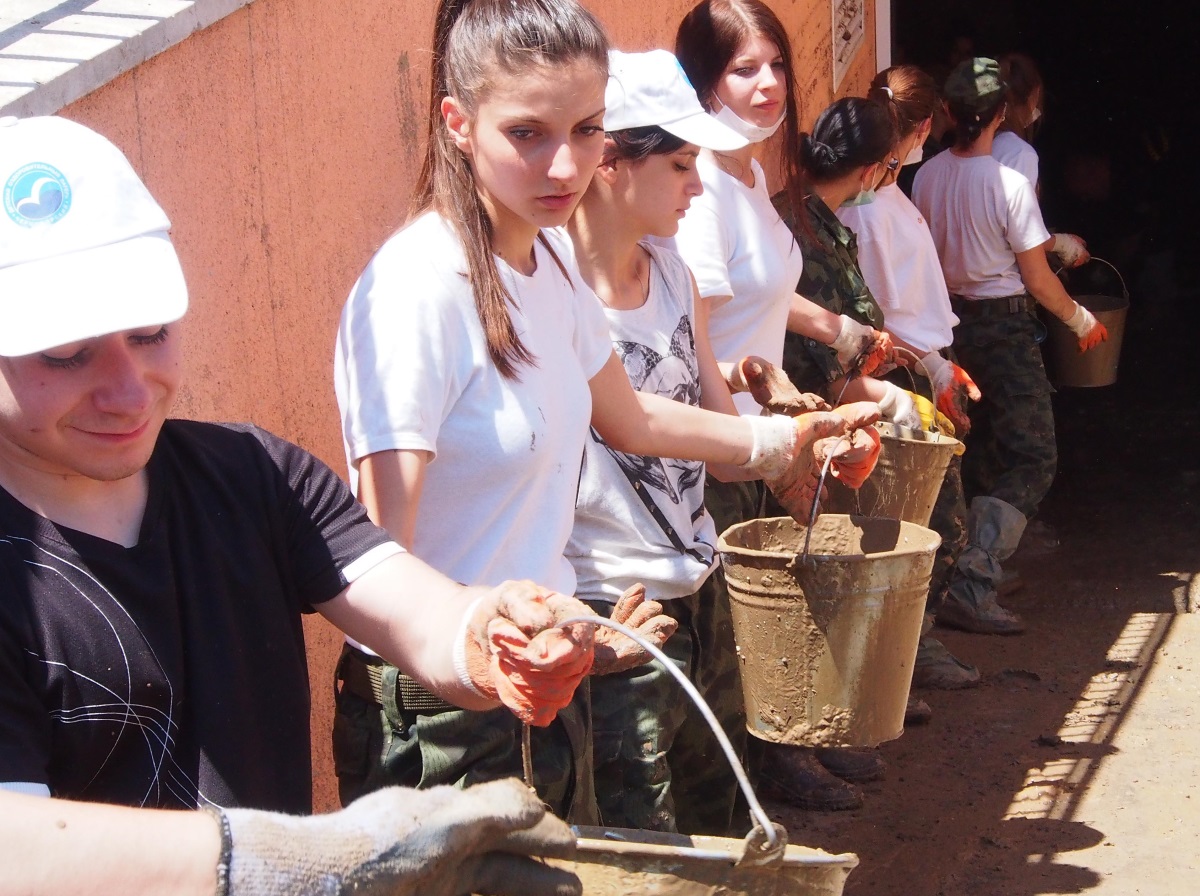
(994, 530)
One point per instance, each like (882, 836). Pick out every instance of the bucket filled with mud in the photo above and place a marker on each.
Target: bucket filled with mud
(827, 640)
(907, 477)
(618, 861)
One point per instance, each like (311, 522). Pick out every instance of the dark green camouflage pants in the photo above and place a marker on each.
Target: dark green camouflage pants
(635, 717)
(1011, 452)
(378, 745)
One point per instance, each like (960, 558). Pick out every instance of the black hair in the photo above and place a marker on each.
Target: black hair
(636, 144)
(970, 120)
(851, 133)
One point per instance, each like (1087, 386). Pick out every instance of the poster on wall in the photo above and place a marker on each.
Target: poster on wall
(848, 32)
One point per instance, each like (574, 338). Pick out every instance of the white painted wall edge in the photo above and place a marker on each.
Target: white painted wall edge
(883, 34)
(65, 50)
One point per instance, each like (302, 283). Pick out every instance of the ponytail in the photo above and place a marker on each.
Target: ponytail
(970, 120)
(909, 94)
(474, 43)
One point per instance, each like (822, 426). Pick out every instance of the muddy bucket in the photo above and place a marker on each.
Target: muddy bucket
(827, 642)
(1097, 366)
(618, 862)
(906, 480)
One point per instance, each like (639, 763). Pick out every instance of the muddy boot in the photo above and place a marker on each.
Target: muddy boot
(938, 669)
(917, 712)
(855, 766)
(793, 775)
(994, 530)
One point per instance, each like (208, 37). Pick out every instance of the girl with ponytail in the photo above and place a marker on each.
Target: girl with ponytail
(471, 361)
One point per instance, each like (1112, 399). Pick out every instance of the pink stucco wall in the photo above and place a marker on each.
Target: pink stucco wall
(283, 142)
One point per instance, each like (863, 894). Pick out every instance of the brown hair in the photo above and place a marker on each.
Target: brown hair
(908, 93)
(473, 42)
(708, 38)
(1021, 75)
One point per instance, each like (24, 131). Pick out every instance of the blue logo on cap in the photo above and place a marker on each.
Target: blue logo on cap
(37, 193)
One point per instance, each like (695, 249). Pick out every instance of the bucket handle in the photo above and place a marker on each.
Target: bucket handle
(755, 853)
(1113, 267)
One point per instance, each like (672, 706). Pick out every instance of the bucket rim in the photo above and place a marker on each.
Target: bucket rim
(898, 433)
(590, 840)
(724, 547)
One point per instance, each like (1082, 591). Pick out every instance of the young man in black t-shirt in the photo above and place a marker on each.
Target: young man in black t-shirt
(152, 577)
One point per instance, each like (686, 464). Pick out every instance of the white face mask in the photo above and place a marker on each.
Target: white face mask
(751, 132)
(916, 154)
(1035, 115)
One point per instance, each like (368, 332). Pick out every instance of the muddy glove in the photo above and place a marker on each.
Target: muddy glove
(401, 842)
(897, 407)
(952, 388)
(854, 457)
(1071, 249)
(771, 388)
(796, 482)
(617, 653)
(860, 348)
(1085, 326)
(499, 662)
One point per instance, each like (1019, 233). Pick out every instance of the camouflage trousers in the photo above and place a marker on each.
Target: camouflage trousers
(1011, 451)
(377, 743)
(636, 715)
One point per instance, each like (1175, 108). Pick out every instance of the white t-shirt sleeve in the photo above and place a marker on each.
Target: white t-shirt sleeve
(1026, 230)
(403, 349)
(705, 247)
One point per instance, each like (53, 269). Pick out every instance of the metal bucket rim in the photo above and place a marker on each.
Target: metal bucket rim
(633, 843)
(896, 433)
(724, 547)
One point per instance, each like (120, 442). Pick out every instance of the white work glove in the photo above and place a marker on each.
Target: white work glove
(852, 340)
(1089, 331)
(775, 445)
(1070, 248)
(897, 407)
(402, 842)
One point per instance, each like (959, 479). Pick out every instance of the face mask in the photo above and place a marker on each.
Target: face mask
(751, 132)
(916, 154)
(864, 197)
(1035, 115)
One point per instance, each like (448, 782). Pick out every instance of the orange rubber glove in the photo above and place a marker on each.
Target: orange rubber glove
(795, 485)
(953, 388)
(862, 349)
(771, 388)
(1085, 326)
(853, 461)
(617, 653)
(515, 651)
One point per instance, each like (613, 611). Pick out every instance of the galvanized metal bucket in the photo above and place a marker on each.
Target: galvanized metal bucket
(906, 480)
(827, 642)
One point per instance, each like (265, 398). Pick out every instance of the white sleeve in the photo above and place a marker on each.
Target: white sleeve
(877, 268)
(593, 342)
(705, 246)
(404, 352)
(1026, 230)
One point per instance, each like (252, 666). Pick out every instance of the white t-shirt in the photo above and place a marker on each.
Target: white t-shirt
(617, 542)
(412, 371)
(737, 245)
(1014, 152)
(901, 267)
(980, 214)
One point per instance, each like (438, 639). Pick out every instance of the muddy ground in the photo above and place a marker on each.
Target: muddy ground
(971, 800)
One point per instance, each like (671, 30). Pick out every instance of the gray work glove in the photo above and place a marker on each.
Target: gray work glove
(402, 842)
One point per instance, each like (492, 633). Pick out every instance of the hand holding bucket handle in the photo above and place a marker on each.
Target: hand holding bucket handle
(1084, 325)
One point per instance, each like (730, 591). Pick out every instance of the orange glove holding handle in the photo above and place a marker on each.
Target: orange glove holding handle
(952, 389)
(1084, 325)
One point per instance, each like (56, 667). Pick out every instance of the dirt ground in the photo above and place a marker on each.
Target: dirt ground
(985, 799)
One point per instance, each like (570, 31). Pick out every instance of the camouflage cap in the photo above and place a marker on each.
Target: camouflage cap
(975, 82)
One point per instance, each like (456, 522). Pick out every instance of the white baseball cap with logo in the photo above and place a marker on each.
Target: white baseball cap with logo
(84, 249)
(651, 88)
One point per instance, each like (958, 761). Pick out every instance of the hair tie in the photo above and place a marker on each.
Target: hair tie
(888, 91)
